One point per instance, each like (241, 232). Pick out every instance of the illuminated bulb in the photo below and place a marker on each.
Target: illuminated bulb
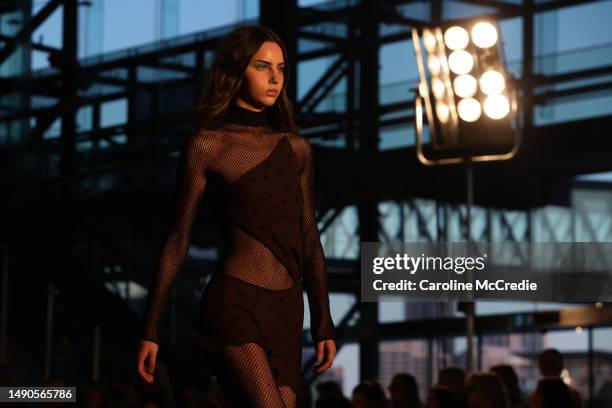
(456, 38)
(469, 109)
(443, 63)
(423, 89)
(565, 375)
(484, 34)
(429, 40)
(465, 85)
(442, 111)
(437, 87)
(496, 106)
(434, 65)
(492, 82)
(460, 62)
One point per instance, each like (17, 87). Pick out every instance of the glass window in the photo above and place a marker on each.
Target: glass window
(49, 33)
(602, 367)
(394, 309)
(405, 356)
(503, 307)
(340, 304)
(519, 350)
(309, 72)
(584, 25)
(113, 113)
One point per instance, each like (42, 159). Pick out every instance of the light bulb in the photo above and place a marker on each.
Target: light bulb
(456, 38)
(484, 34)
(469, 109)
(438, 88)
(434, 65)
(442, 111)
(423, 89)
(465, 85)
(492, 82)
(460, 62)
(496, 106)
(429, 40)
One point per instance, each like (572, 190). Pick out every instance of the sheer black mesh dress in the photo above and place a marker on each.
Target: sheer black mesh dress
(251, 314)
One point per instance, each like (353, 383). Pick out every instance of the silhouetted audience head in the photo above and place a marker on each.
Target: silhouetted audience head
(440, 396)
(551, 393)
(330, 395)
(454, 378)
(510, 379)
(486, 390)
(369, 394)
(551, 363)
(329, 389)
(404, 391)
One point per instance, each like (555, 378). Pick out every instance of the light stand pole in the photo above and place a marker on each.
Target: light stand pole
(471, 111)
(469, 309)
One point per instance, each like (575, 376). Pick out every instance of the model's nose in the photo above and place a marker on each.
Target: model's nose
(274, 78)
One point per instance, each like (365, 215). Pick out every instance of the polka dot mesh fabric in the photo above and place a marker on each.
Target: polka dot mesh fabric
(251, 313)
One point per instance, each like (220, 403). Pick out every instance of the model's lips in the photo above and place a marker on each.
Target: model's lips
(272, 92)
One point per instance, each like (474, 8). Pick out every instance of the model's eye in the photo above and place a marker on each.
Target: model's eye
(260, 66)
(281, 69)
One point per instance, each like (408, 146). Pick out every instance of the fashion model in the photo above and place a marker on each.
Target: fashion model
(250, 320)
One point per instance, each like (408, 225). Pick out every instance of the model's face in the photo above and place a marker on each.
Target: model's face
(263, 78)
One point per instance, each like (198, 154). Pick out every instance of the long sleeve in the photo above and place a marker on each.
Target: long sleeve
(190, 184)
(315, 269)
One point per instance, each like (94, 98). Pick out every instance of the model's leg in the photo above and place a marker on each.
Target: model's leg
(289, 397)
(249, 365)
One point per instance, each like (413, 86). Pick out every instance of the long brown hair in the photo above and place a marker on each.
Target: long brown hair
(232, 56)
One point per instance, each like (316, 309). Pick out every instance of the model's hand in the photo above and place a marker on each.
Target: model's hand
(147, 350)
(327, 349)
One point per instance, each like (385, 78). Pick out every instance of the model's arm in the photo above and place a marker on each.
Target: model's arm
(190, 183)
(315, 269)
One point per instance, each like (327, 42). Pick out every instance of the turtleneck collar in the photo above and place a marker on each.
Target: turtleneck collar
(243, 116)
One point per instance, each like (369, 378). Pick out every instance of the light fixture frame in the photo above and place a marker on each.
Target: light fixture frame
(420, 100)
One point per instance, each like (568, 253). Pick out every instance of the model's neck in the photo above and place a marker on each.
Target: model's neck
(244, 116)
